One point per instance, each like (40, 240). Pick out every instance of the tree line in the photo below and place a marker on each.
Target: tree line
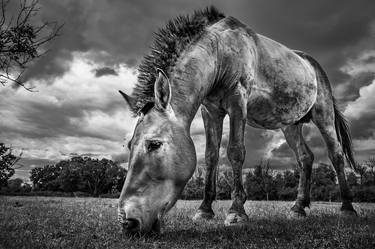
(85, 176)
(78, 176)
(264, 183)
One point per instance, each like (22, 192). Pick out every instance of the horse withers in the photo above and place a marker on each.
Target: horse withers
(220, 64)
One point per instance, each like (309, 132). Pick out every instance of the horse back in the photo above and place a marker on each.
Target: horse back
(281, 86)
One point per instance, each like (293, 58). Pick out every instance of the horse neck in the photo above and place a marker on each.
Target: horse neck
(192, 79)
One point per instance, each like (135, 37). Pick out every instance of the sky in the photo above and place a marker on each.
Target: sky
(77, 109)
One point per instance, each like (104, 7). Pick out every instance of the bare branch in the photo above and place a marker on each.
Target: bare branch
(21, 42)
(4, 78)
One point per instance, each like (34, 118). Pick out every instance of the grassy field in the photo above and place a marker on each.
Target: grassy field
(45, 222)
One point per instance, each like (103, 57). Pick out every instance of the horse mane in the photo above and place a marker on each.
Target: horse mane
(168, 44)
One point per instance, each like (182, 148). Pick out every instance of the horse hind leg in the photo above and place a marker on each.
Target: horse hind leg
(213, 124)
(305, 158)
(334, 130)
(330, 122)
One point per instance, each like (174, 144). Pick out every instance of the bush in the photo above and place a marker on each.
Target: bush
(111, 195)
(288, 194)
(364, 193)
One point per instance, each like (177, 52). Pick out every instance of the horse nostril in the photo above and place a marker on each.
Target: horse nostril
(131, 224)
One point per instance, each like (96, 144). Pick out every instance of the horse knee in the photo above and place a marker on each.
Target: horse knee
(306, 160)
(338, 161)
(211, 157)
(236, 153)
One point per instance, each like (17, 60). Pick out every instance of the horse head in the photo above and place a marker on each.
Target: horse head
(162, 160)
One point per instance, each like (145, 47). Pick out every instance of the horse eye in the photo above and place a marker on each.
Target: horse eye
(152, 145)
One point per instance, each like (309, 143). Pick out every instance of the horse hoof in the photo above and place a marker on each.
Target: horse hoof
(348, 213)
(300, 213)
(236, 219)
(297, 212)
(297, 215)
(201, 215)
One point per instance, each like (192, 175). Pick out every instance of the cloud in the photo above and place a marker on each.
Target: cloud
(123, 30)
(79, 113)
(361, 113)
(364, 105)
(105, 71)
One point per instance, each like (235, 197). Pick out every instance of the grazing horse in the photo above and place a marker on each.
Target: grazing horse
(220, 64)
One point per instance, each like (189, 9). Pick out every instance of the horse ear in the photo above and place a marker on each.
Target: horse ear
(129, 100)
(162, 90)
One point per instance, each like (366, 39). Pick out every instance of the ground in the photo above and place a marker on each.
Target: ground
(45, 222)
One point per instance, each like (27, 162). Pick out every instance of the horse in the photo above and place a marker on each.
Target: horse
(216, 62)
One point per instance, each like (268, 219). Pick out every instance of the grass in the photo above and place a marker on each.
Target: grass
(51, 222)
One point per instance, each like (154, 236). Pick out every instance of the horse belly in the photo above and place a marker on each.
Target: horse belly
(278, 110)
(284, 90)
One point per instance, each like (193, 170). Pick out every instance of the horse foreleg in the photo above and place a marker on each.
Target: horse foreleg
(236, 155)
(213, 124)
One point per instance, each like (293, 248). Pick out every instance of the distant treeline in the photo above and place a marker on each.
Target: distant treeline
(263, 183)
(79, 176)
(84, 176)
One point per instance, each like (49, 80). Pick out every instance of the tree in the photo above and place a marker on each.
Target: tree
(46, 178)
(361, 170)
(287, 184)
(70, 177)
(252, 186)
(264, 173)
(224, 185)
(194, 187)
(99, 175)
(7, 162)
(352, 179)
(291, 179)
(21, 40)
(84, 174)
(260, 185)
(323, 185)
(371, 169)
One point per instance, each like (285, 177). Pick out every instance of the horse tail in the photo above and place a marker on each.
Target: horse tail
(341, 124)
(343, 135)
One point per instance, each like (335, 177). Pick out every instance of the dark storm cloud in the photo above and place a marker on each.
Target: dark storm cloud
(355, 83)
(123, 29)
(105, 71)
(329, 30)
(364, 127)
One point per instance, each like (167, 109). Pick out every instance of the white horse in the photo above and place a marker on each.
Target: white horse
(219, 63)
